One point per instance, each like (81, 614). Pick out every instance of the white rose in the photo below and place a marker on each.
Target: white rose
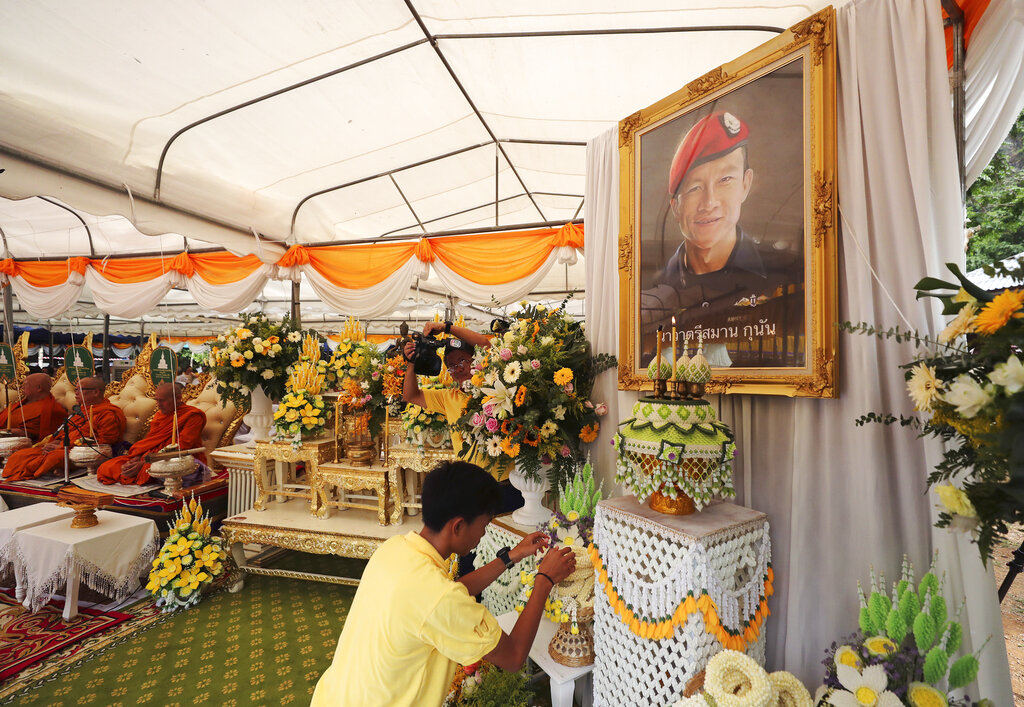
(1010, 375)
(267, 374)
(968, 396)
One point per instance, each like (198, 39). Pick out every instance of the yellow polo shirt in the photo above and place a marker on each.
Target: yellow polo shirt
(408, 627)
(452, 403)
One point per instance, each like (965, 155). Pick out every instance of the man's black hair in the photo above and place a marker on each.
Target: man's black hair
(458, 489)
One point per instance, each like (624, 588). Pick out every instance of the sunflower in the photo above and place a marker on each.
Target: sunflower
(521, 396)
(999, 311)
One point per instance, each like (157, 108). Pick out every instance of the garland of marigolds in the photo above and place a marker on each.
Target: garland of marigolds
(664, 627)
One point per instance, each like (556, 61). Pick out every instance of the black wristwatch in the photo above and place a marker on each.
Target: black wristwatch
(504, 557)
(447, 327)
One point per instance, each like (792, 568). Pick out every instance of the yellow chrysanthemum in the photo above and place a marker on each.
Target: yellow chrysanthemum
(923, 386)
(562, 376)
(999, 311)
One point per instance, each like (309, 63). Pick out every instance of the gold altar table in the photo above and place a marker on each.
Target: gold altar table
(285, 482)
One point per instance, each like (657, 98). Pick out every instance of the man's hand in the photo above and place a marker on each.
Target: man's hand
(51, 446)
(132, 467)
(530, 545)
(409, 350)
(433, 328)
(558, 564)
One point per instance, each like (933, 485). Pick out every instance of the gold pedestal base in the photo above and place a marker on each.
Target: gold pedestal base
(360, 455)
(681, 505)
(85, 517)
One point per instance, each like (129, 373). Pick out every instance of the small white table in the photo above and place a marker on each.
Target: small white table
(563, 678)
(109, 557)
(12, 521)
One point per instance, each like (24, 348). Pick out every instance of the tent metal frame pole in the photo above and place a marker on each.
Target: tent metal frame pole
(465, 94)
(296, 307)
(106, 349)
(958, 85)
(612, 31)
(88, 231)
(266, 96)
(9, 316)
(407, 204)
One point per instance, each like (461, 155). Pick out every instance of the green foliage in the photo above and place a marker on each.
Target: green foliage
(500, 689)
(963, 672)
(935, 665)
(896, 626)
(879, 605)
(924, 632)
(909, 605)
(866, 624)
(995, 204)
(954, 635)
(938, 610)
(579, 494)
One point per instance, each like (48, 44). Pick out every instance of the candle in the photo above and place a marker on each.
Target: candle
(672, 374)
(89, 414)
(657, 357)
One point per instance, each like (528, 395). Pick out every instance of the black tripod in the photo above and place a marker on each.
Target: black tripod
(1016, 566)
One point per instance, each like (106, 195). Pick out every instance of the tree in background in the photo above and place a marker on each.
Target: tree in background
(995, 204)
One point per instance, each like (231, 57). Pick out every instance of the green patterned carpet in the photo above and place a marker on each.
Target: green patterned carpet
(266, 645)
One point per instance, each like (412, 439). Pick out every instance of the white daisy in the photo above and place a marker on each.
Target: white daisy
(493, 447)
(863, 689)
(513, 371)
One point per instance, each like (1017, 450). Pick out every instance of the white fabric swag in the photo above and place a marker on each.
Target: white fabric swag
(842, 498)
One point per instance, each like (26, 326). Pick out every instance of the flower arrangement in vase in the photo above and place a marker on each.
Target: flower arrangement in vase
(485, 685)
(968, 385)
(302, 411)
(189, 560)
(255, 354)
(530, 394)
(734, 678)
(903, 653)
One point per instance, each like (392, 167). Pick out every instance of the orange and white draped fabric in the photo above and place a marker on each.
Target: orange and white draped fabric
(363, 279)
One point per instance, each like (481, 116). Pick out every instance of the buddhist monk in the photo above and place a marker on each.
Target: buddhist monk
(97, 418)
(130, 468)
(38, 413)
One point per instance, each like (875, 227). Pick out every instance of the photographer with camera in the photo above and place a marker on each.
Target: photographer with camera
(451, 402)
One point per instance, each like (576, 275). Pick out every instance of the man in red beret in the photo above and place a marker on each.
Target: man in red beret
(719, 273)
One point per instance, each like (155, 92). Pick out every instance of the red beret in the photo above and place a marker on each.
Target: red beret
(710, 138)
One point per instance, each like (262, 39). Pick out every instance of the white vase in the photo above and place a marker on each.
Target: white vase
(533, 512)
(260, 416)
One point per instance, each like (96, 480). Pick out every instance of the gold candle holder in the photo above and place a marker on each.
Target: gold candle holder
(337, 422)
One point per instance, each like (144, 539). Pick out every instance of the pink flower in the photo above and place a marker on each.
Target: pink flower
(589, 405)
(375, 375)
(569, 388)
(601, 409)
(492, 424)
(477, 420)
(564, 451)
(505, 354)
(535, 364)
(489, 409)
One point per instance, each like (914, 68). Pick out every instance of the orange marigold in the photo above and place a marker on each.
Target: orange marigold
(999, 311)
(509, 447)
(589, 432)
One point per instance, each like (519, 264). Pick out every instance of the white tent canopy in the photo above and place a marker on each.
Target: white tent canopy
(405, 117)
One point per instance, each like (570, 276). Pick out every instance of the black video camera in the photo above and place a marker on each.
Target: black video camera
(426, 360)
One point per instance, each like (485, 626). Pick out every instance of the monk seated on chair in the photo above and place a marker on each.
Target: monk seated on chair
(131, 468)
(38, 413)
(94, 418)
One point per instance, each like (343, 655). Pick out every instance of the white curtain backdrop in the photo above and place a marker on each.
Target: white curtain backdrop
(995, 81)
(842, 498)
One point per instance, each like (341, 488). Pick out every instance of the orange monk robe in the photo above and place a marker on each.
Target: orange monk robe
(108, 423)
(36, 420)
(191, 421)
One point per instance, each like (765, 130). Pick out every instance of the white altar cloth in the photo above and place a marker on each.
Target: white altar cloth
(108, 557)
(18, 519)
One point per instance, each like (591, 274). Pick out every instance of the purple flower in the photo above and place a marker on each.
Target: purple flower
(491, 424)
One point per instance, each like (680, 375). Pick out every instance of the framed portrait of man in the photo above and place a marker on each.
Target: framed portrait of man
(728, 226)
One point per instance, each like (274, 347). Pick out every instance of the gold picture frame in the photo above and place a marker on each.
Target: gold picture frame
(754, 277)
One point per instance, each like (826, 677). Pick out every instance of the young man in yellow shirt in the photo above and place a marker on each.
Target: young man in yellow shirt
(410, 623)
